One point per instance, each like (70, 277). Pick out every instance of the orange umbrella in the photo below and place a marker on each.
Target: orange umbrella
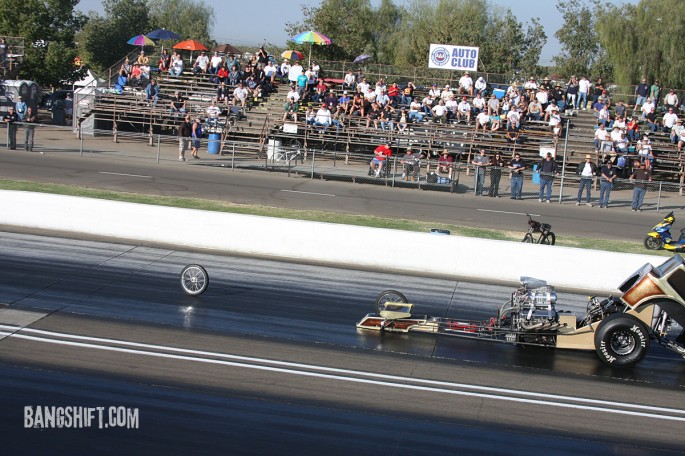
(190, 45)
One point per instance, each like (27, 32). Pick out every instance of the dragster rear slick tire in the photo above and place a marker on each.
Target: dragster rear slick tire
(621, 340)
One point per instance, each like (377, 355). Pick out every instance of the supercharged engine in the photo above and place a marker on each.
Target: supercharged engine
(531, 308)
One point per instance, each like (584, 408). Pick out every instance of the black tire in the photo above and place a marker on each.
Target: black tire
(194, 279)
(550, 239)
(528, 238)
(389, 296)
(621, 340)
(653, 243)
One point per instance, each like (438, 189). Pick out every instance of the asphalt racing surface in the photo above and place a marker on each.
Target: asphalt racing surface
(268, 361)
(276, 190)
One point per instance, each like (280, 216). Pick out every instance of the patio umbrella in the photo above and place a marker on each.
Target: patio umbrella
(292, 55)
(311, 37)
(228, 49)
(362, 58)
(163, 34)
(141, 40)
(190, 45)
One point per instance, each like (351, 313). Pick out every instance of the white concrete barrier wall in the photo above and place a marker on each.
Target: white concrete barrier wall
(344, 245)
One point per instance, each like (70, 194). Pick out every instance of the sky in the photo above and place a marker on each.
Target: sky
(272, 16)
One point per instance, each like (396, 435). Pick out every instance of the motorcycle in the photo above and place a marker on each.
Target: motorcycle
(660, 236)
(534, 227)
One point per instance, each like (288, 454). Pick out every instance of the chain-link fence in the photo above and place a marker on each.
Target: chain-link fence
(423, 171)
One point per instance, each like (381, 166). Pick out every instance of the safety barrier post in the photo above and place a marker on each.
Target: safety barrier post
(159, 145)
(658, 197)
(563, 163)
(80, 133)
(311, 176)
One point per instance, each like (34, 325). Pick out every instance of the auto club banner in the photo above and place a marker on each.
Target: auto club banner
(458, 58)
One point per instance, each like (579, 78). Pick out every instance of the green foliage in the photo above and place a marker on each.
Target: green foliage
(190, 19)
(644, 41)
(48, 28)
(578, 38)
(535, 40)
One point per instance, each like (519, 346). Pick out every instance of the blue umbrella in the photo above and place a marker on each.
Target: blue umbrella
(163, 34)
(362, 58)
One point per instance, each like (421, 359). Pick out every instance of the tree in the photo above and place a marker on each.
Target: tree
(535, 40)
(103, 41)
(579, 41)
(48, 28)
(187, 18)
(504, 47)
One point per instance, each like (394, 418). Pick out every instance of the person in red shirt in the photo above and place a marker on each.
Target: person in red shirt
(378, 164)
(394, 94)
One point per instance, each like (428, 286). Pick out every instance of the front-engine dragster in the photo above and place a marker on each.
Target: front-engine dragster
(618, 329)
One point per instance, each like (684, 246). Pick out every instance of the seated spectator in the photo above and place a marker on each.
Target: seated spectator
(387, 118)
(291, 107)
(164, 63)
(122, 81)
(415, 114)
(309, 116)
(201, 64)
(373, 114)
(605, 99)
(234, 76)
(349, 83)
(270, 72)
(671, 100)
(445, 94)
(451, 105)
(445, 162)
(382, 99)
(285, 70)
(633, 129)
(176, 66)
(681, 140)
(378, 163)
(357, 106)
(669, 120)
(676, 131)
(651, 120)
(394, 94)
(323, 118)
(152, 92)
(620, 109)
(345, 101)
(480, 86)
(221, 75)
(410, 165)
(482, 121)
(478, 103)
(222, 93)
(647, 107)
(644, 151)
(464, 111)
(402, 120)
(534, 110)
(466, 84)
(621, 144)
(493, 106)
(177, 105)
(126, 68)
(408, 93)
(215, 63)
(240, 94)
(615, 134)
(427, 105)
(604, 117)
(600, 135)
(440, 112)
(338, 118)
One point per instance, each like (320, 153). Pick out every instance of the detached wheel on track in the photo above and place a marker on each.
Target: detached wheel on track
(389, 296)
(194, 279)
(621, 340)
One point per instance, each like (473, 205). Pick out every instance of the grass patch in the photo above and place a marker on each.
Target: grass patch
(320, 216)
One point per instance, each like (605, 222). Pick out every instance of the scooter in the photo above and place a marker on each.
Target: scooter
(660, 236)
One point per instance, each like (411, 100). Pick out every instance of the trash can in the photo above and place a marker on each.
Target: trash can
(536, 175)
(214, 143)
(58, 112)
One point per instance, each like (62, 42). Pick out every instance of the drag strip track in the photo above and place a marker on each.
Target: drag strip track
(269, 360)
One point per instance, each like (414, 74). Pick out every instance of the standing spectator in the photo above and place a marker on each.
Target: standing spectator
(606, 184)
(196, 134)
(640, 177)
(11, 119)
(555, 124)
(583, 90)
(20, 108)
(598, 90)
(654, 92)
(548, 168)
(480, 161)
(184, 132)
(517, 166)
(572, 93)
(496, 165)
(641, 93)
(285, 70)
(29, 129)
(586, 171)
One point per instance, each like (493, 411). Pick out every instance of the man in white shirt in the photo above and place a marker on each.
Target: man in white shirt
(445, 94)
(294, 72)
(415, 114)
(586, 171)
(240, 95)
(363, 86)
(434, 92)
(464, 110)
(669, 120)
(479, 103)
(349, 81)
(466, 84)
(513, 117)
(482, 121)
(285, 69)
(214, 63)
(294, 94)
(270, 71)
(213, 112)
(440, 112)
(583, 89)
(201, 63)
(323, 118)
(671, 99)
(600, 135)
(531, 84)
(451, 105)
(480, 85)
(647, 107)
(382, 99)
